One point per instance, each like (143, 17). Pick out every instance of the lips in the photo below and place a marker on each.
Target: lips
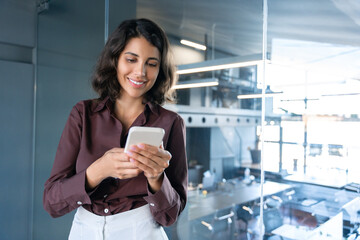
(136, 83)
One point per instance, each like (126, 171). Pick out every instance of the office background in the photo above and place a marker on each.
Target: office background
(48, 50)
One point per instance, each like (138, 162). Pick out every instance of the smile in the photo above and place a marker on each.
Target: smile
(136, 82)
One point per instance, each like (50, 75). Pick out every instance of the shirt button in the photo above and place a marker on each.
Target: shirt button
(106, 210)
(79, 202)
(151, 204)
(105, 195)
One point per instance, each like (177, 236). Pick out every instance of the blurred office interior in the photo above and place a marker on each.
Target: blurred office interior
(270, 101)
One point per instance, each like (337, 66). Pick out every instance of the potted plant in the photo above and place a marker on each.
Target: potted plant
(255, 153)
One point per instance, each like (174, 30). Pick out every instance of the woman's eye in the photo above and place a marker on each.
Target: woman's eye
(130, 60)
(152, 64)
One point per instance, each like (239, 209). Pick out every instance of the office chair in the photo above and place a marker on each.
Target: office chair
(244, 215)
(218, 226)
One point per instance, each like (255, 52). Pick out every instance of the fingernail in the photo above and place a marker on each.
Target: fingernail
(133, 148)
(132, 160)
(129, 153)
(141, 146)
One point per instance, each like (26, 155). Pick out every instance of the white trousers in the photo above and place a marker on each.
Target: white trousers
(136, 224)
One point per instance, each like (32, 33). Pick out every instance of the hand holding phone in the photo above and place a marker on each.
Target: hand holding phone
(151, 160)
(148, 135)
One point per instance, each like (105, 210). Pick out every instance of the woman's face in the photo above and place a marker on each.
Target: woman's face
(138, 67)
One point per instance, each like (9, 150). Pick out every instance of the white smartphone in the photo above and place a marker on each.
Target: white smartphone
(148, 135)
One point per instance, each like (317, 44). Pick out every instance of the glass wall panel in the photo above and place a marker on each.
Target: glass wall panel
(271, 159)
(70, 37)
(309, 142)
(313, 49)
(293, 131)
(222, 127)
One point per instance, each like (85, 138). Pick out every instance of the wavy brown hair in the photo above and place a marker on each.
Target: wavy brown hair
(104, 79)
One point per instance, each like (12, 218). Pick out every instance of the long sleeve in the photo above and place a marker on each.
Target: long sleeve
(65, 189)
(167, 203)
(90, 131)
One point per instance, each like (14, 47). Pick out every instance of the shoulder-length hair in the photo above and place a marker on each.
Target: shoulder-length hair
(104, 79)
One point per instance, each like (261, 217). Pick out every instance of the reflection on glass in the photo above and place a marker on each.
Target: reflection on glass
(221, 128)
(311, 138)
(318, 75)
(318, 103)
(271, 159)
(230, 83)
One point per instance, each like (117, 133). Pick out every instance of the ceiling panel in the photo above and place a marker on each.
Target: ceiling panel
(237, 24)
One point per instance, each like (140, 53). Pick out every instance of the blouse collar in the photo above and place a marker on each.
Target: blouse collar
(100, 105)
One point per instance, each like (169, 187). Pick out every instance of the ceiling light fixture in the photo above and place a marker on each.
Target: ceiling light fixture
(206, 82)
(250, 96)
(218, 67)
(192, 44)
(340, 94)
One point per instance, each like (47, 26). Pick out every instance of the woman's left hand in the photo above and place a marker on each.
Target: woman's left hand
(152, 160)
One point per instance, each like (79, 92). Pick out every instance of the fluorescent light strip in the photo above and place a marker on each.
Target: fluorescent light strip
(192, 44)
(340, 94)
(250, 96)
(195, 85)
(218, 67)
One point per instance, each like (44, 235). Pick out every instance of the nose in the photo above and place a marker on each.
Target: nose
(141, 69)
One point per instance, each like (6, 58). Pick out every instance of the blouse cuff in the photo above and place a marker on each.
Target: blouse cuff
(162, 199)
(73, 190)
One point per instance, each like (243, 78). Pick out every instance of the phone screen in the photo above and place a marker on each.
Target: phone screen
(148, 135)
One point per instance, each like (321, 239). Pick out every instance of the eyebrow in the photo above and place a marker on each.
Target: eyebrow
(150, 58)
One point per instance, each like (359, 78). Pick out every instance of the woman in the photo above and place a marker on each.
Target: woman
(122, 195)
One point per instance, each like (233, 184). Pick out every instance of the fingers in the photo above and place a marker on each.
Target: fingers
(128, 173)
(115, 150)
(118, 164)
(148, 150)
(152, 160)
(118, 159)
(149, 172)
(125, 170)
(141, 158)
(150, 155)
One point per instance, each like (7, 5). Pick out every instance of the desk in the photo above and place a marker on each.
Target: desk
(251, 165)
(201, 206)
(329, 180)
(332, 229)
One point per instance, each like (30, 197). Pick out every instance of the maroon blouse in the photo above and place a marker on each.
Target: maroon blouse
(90, 131)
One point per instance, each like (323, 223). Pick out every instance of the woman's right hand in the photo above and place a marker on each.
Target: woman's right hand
(114, 163)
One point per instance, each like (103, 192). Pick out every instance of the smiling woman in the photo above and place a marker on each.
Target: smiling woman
(137, 69)
(118, 193)
(128, 35)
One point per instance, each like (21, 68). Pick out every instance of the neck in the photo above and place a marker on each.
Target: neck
(127, 110)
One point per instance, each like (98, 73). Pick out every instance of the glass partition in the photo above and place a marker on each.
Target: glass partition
(222, 129)
(308, 143)
(313, 49)
(70, 37)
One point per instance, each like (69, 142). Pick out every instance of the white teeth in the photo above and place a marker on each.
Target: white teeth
(137, 83)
